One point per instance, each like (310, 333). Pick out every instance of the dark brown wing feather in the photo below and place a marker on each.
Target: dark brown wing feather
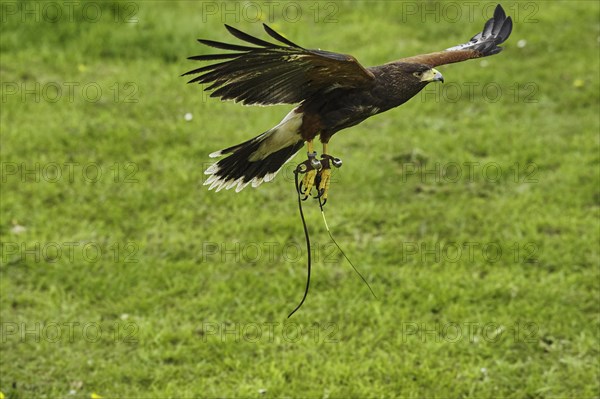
(275, 74)
(495, 31)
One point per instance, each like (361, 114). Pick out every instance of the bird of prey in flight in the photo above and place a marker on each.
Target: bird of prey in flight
(333, 92)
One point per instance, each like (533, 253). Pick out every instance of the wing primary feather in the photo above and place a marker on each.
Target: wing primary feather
(487, 28)
(499, 18)
(279, 37)
(476, 37)
(499, 14)
(206, 68)
(225, 46)
(211, 57)
(506, 29)
(247, 38)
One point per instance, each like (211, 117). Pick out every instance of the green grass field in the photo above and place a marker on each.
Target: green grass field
(472, 211)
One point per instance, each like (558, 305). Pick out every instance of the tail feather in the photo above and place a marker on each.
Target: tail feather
(236, 147)
(257, 160)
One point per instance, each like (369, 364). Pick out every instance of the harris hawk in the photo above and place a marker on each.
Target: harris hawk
(333, 92)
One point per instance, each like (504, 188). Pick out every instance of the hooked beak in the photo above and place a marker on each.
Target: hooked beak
(433, 75)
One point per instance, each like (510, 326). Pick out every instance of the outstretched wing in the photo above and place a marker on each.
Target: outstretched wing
(274, 73)
(495, 31)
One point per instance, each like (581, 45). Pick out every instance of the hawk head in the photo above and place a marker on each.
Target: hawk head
(413, 77)
(428, 75)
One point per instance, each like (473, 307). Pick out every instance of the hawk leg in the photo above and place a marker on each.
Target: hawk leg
(317, 173)
(310, 168)
(324, 176)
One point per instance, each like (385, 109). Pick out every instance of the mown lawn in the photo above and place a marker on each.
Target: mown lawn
(472, 210)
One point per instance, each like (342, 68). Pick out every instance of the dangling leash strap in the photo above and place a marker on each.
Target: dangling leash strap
(302, 168)
(338, 246)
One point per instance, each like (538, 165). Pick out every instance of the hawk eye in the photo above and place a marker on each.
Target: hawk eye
(418, 74)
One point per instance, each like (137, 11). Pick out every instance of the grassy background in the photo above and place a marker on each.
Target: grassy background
(169, 290)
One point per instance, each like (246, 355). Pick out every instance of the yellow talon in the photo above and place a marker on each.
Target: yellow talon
(324, 183)
(308, 181)
(318, 171)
